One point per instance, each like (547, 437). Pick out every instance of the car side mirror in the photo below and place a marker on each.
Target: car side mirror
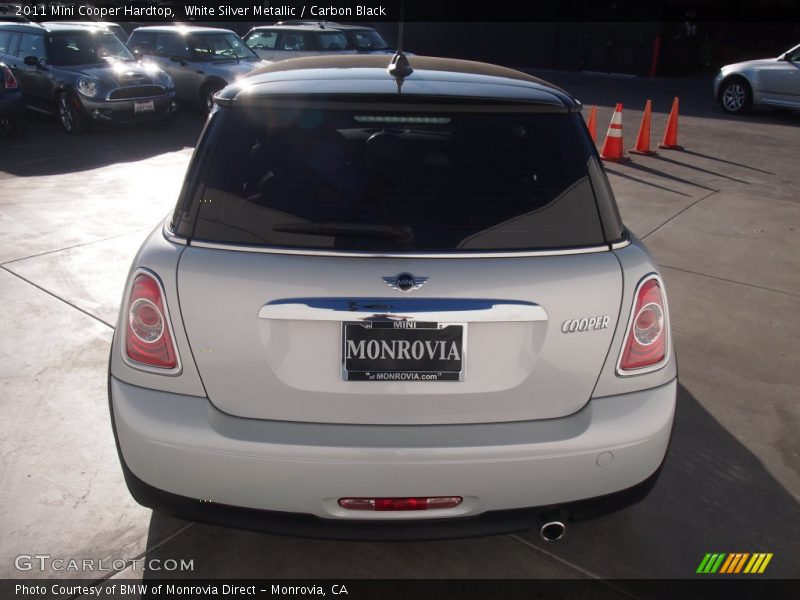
(31, 61)
(178, 59)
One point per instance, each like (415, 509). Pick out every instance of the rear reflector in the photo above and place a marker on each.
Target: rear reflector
(147, 337)
(386, 504)
(646, 338)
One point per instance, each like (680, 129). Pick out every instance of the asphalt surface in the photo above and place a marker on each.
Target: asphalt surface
(722, 218)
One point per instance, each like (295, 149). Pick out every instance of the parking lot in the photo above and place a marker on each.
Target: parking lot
(722, 218)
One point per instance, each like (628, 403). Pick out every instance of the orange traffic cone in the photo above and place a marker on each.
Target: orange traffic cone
(643, 141)
(591, 124)
(612, 148)
(670, 140)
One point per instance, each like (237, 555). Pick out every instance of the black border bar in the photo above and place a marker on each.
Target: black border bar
(752, 11)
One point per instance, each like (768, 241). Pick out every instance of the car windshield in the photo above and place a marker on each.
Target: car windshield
(87, 47)
(219, 46)
(365, 40)
(395, 181)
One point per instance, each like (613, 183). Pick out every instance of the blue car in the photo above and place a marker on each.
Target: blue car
(83, 74)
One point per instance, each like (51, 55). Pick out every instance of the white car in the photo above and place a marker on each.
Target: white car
(393, 303)
(764, 82)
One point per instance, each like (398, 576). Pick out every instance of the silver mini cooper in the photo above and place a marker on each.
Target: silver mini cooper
(393, 303)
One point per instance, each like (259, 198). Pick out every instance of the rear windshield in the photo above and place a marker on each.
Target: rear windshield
(385, 181)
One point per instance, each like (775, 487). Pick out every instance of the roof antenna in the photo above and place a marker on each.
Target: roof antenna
(399, 67)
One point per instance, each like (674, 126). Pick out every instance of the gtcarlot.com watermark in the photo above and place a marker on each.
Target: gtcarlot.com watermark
(46, 562)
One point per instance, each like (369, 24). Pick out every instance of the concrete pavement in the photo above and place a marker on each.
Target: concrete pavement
(722, 219)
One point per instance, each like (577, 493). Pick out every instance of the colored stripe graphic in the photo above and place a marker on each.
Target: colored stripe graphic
(703, 564)
(716, 565)
(764, 564)
(741, 562)
(711, 563)
(728, 563)
(734, 563)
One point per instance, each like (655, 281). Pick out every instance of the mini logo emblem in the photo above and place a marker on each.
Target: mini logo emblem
(405, 282)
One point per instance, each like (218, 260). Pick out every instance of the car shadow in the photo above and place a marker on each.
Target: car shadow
(45, 149)
(644, 181)
(713, 495)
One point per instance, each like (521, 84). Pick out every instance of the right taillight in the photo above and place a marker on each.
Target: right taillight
(9, 81)
(646, 343)
(148, 339)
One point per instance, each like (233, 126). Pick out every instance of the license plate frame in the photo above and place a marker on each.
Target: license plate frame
(353, 368)
(144, 107)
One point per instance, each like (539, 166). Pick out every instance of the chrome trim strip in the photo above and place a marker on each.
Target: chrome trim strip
(351, 254)
(170, 236)
(668, 350)
(622, 244)
(178, 369)
(436, 310)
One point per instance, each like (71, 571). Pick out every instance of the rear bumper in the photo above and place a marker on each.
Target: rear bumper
(183, 456)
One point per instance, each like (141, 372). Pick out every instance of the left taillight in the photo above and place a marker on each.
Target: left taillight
(9, 81)
(148, 338)
(646, 341)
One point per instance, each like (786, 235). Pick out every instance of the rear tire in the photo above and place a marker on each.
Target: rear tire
(70, 113)
(207, 95)
(735, 95)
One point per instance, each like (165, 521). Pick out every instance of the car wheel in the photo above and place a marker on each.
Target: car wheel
(736, 95)
(207, 95)
(70, 113)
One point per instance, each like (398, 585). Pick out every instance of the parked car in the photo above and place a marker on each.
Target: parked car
(392, 303)
(12, 107)
(764, 82)
(84, 75)
(114, 28)
(365, 40)
(8, 13)
(201, 60)
(280, 42)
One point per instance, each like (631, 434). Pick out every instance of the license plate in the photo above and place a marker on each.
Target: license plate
(403, 351)
(144, 106)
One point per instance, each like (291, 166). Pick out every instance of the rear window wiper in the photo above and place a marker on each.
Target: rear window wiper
(352, 229)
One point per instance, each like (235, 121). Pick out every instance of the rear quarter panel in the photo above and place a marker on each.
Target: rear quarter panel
(636, 262)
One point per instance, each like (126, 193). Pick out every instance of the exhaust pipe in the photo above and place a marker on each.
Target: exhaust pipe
(551, 527)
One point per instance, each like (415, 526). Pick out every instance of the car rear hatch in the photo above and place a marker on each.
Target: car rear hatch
(359, 266)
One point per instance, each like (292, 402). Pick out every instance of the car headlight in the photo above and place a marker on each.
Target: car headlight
(87, 87)
(169, 83)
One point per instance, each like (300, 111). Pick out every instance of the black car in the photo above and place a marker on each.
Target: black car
(12, 107)
(84, 74)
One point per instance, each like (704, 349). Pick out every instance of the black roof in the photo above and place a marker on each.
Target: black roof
(367, 74)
